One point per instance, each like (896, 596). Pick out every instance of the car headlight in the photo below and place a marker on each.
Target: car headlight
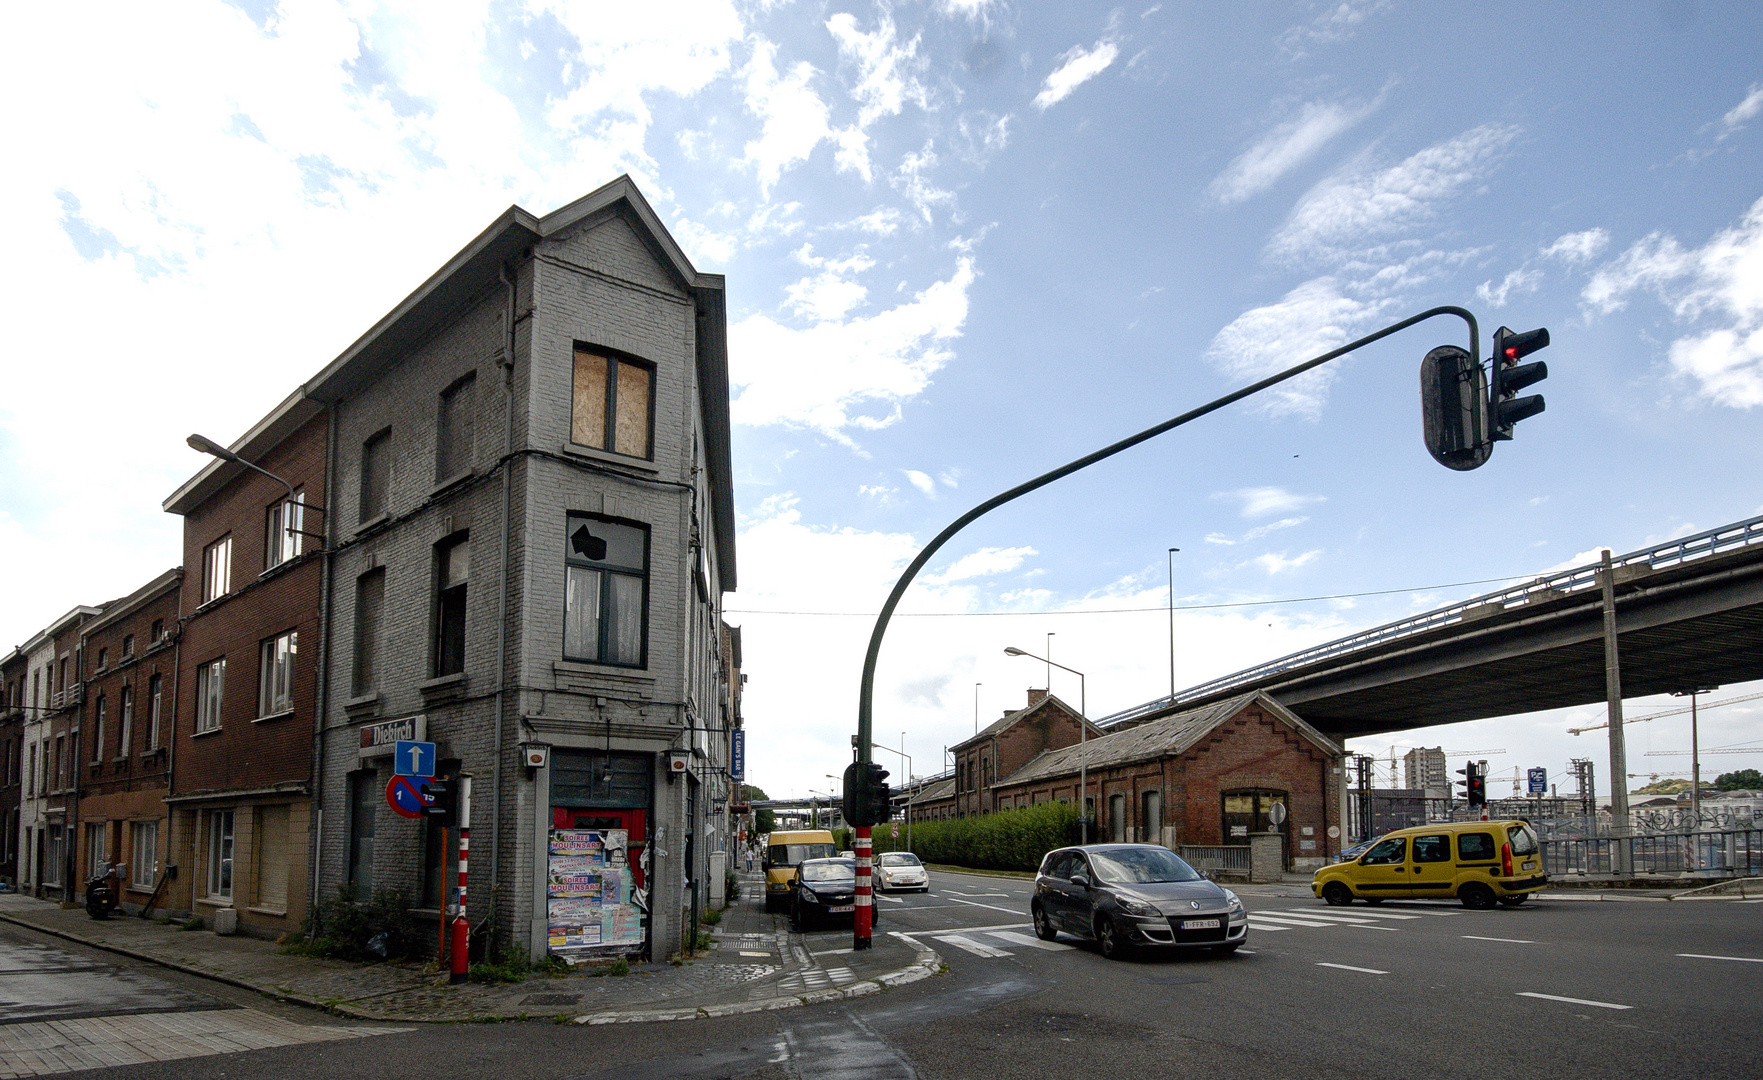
(808, 895)
(1134, 907)
(1236, 903)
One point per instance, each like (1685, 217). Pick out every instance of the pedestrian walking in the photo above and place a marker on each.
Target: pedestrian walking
(749, 860)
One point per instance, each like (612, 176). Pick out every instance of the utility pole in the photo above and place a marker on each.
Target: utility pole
(1172, 552)
(1613, 703)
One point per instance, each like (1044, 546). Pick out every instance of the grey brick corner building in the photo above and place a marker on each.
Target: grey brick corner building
(530, 532)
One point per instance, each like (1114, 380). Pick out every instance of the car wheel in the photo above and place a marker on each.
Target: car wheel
(1514, 901)
(1337, 894)
(1044, 928)
(1109, 941)
(1476, 895)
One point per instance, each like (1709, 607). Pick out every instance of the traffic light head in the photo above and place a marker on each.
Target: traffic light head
(443, 802)
(1454, 409)
(866, 796)
(1507, 376)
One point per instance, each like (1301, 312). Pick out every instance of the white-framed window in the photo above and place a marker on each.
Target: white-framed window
(275, 674)
(217, 568)
(210, 688)
(282, 525)
(97, 852)
(145, 854)
(220, 855)
(155, 693)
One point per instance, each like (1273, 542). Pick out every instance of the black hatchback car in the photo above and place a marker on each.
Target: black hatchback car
(821, 891)
(1125, 896)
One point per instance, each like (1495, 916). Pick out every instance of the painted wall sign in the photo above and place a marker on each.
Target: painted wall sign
(381, 739)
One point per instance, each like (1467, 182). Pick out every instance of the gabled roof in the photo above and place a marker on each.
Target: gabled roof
(942, 789)
(1011, 718)
(134, 601)
(1164, 737)
(464, 278)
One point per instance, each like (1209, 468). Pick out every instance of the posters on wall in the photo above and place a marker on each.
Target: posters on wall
(590, 891)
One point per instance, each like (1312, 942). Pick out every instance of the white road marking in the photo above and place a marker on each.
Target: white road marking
(1748, 901)
(1030, 940)
(1269, 928)
(1507, 940)
(1575, 1001)
(889, 899)
(824, 952)
(1245, 952)
(962, 941)
(1355, 915)
(746, 953)
(1705, 956)
(994, 907)
(1349, 967)
(1287, 920)
(962, 929)
(1324, 916)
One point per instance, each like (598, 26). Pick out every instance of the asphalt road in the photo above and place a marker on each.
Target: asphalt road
(1402, 990)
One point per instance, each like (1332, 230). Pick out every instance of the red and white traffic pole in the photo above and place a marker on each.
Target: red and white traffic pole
(462, 925)
(863, 918)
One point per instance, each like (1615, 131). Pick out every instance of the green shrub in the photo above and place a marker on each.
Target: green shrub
(194, 922)
(1013, 839)
(511, 971)
(621, 966)
(378, 928)
(711, 917)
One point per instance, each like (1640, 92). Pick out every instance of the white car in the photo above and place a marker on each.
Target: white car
(900, 870)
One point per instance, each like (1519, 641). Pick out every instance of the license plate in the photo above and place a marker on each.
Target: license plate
(1530, 865)
(838, 909)
(1199, 924)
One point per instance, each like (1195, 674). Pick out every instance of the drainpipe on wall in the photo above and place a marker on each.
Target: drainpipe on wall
(507, 363)
(320, 710)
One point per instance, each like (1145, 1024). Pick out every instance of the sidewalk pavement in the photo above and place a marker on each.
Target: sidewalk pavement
(755, 965)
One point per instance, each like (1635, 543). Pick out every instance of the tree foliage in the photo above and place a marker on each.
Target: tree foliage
(1742, 780)
(764, 820)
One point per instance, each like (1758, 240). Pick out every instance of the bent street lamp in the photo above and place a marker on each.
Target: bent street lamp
(1470, 448)
(1083, 734)
(210, 447)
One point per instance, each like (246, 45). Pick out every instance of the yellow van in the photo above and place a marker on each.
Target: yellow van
(1481, 863)
(783, 850)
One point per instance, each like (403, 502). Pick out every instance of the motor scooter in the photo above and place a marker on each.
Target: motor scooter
(104, 892)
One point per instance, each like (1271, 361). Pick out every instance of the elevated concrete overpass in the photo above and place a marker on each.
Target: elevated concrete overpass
(1688, 612)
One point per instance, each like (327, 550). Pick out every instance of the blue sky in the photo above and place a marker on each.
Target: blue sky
(965, 241)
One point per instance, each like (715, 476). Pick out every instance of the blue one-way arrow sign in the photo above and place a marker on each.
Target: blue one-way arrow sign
(413, 758)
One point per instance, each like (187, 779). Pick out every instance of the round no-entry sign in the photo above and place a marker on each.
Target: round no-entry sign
(404, 795)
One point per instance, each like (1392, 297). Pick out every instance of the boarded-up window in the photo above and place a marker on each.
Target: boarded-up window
(272, 856)
(376, 474)
(370, 598)
(612, 404)
(454, 450)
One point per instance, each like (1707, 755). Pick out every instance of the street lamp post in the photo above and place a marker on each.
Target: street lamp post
(1083, 732)
(214, 449)
(902, 752)
(860, 935)
(1172, 552)
(1695, 758)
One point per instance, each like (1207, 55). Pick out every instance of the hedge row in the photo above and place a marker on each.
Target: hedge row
(1013, 839)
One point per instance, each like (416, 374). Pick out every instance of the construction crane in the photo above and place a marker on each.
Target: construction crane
(1705, 706)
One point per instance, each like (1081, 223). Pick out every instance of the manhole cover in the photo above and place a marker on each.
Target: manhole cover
(551, 999)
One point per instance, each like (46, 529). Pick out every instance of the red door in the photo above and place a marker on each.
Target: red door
(634, 822)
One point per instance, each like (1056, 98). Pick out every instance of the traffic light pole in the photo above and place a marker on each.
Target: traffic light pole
(461, 924)
(862, 922)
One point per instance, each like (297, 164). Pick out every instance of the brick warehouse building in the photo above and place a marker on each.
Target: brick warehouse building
(531, 536)
(1207, 776)
(129, 659)
(246, 680)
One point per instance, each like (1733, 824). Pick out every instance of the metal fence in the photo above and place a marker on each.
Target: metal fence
(1734, 851)
(1202, 857)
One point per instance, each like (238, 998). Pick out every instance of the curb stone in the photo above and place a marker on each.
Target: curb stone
(922, 968)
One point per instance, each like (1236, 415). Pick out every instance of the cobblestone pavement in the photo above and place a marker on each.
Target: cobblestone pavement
(754, 964)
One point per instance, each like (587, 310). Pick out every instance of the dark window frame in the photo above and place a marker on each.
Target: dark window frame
(609, 436)
(1442, 848)
(376, 486)
(364, 665)
(571, 559)
(447, 649)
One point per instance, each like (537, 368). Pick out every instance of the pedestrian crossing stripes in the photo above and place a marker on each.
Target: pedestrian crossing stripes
(805, 982)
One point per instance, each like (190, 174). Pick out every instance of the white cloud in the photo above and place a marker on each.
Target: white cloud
(793, 118)
(1262, 501)
(922, 482)
(882, 221)
(707, 248)
(1578, 247)
(1522, 280)
(824, 376)
(1720, 286)
(1339, 21)
(887, 72)
(1362, 205)
(912, 181)
(986, 562)
(1308, 321)
(1743, 113)
(1076, 67)
(1285, 148)
(1277, 563)
(831, 293)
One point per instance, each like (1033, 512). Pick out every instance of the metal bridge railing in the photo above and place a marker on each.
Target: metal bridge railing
(1671, 553)
(1735, 851)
